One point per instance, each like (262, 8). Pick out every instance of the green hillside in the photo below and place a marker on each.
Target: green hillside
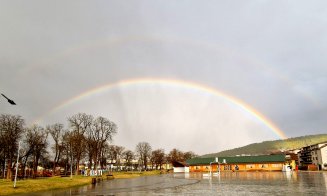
(269, 147)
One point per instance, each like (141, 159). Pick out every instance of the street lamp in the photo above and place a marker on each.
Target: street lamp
(13, 103)
(17, 165)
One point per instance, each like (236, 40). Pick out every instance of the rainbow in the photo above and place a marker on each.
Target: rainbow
(174, 83)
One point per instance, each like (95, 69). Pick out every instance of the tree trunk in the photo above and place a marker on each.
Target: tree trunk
(66, 167)
(145, 163)
(35, 164)
(4, 167)
(77, 168)
(90, 161)
(24, 167)
(54, 165)
(9, 173)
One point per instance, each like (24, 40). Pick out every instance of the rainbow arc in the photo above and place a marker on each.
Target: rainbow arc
(174, 83)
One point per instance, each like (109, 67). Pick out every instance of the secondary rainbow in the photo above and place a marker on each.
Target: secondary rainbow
(116, 41)
(174, 83)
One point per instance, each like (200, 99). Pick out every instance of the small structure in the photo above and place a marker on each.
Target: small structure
(292, 159)
(238, 163)
(180, 167)
(287, 168)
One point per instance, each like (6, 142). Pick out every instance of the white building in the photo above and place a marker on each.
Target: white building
(314, 155)
(180, 167)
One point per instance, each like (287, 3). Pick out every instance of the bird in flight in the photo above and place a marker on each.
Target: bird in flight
(9, 100)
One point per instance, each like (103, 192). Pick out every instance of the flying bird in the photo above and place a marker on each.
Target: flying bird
(9, 100)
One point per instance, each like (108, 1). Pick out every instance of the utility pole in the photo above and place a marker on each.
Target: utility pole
(17, 165)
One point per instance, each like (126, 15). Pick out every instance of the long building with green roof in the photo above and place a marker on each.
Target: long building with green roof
(241, 163)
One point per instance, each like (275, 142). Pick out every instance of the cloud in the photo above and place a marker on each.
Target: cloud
(268, 54)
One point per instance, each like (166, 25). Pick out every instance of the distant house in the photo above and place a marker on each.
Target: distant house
(292, 158)
(238, 163)
(180, 167)
(167, 166)
(314, 155)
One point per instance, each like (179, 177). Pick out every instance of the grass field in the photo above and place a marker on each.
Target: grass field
(52, 183)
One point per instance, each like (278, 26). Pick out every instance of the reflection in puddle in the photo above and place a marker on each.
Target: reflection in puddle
(227, 183)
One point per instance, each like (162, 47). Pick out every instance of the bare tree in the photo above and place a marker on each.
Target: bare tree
(11, 130)
(189, 155)
(128, 155)
(26, 152)
(2, 152)
(143, 150)
(115, 153)
(100, 133)
(67, 149)
(56, 131)
(158, 158)
(152, 160)
(104, 155)
(79, 124)
(112, 155)
(36, 139)
(175, 155)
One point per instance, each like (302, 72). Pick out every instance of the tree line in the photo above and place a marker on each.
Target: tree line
(86, 140)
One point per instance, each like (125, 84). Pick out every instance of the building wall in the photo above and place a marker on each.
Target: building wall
(305, 155)
(241, 167)
(293, 164)
(323, 157)
(181, 169)
(314, 155)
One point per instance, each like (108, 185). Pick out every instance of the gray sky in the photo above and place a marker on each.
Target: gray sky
(270, 55)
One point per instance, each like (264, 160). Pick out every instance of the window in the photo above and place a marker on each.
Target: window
(276, 165)
(249, 166)
(227, 167)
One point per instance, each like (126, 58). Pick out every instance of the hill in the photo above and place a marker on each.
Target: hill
(272, 147)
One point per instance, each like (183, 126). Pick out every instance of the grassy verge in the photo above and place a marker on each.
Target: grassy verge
(52, 183)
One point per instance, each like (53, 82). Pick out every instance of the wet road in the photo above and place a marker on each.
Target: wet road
(229, 183)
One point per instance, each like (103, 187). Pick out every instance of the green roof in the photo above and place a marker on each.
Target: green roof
(238, 159)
